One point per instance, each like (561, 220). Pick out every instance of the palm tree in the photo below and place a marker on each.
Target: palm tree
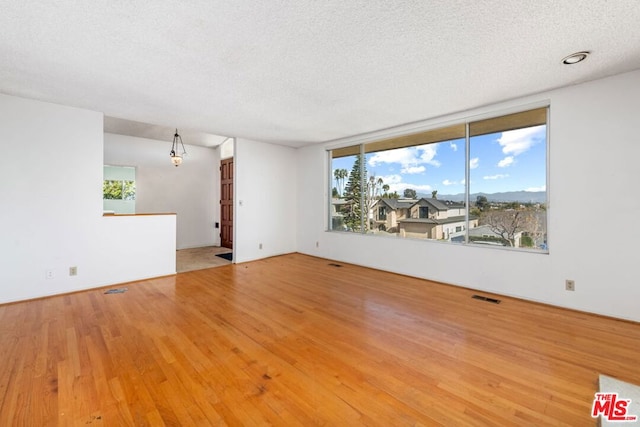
(340, 175)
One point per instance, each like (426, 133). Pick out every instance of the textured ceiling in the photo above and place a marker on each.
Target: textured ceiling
(304, 71)
(160, 133)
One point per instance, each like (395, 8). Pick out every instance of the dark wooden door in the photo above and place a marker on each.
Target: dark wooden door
(226, 203)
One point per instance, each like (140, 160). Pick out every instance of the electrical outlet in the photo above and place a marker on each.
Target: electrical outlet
(317, 244)
(49, 274)
(73, 271)
(570, 285)
(260, 246)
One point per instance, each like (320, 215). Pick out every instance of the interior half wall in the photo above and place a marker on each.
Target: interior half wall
(191, 190)
(52, 208)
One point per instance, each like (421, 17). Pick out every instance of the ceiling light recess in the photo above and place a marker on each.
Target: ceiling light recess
(574, 58)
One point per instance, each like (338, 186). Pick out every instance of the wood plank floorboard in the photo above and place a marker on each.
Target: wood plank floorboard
(291, 340)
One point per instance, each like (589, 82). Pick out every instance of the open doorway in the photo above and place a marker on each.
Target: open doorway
(213, 256)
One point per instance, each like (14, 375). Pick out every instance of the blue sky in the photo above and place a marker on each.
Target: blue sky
(504, 161)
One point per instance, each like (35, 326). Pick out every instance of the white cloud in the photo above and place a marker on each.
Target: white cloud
(400, 155)
(391, 179)
(496, 176)
(474, 163)
(395, 184)
(411, 159)
(447, 182)
(516, 142)
(453, 146)
(541, 188)
(428, 154)
(413, 169)
(507, 161)
(419, 188)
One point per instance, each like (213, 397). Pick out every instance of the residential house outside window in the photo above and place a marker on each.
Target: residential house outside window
(477, 182)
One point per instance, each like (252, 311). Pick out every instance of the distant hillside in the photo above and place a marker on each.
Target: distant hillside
(509, 196)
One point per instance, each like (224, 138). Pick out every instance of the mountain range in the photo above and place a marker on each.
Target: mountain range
(509, 196)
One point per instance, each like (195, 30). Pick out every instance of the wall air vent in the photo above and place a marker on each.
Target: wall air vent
(487, 299)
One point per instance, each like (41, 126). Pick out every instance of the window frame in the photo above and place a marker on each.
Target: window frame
(480, 124)
(382, 213)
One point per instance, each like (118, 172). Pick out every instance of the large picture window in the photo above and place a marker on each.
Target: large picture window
(481, 182)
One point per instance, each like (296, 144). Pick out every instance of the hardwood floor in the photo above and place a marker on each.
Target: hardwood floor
(292, 340)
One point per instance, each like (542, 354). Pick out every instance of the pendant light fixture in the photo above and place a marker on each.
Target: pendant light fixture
(176, 159)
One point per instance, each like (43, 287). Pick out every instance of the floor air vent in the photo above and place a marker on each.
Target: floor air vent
(116, 291)
(333, 264)
(487, 299)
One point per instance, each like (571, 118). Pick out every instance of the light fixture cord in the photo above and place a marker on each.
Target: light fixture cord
(184, 151)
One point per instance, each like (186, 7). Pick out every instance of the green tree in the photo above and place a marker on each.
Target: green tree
(410, 193)
(482, 203)
(118, 190)
(112, 190)
(340, 175)
(385, 188)
(129, 190)
(353, 196)
(434, 194)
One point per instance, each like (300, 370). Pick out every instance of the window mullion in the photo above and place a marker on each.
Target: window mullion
(363, 183)
(467, 156)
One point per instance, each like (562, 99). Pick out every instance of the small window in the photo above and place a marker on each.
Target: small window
(119, 189)
(423, 212)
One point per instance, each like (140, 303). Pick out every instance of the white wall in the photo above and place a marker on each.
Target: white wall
(226, 148)
(594, 152)
(52, 215)
(265, 200)
(52, 208)
(190, 190)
